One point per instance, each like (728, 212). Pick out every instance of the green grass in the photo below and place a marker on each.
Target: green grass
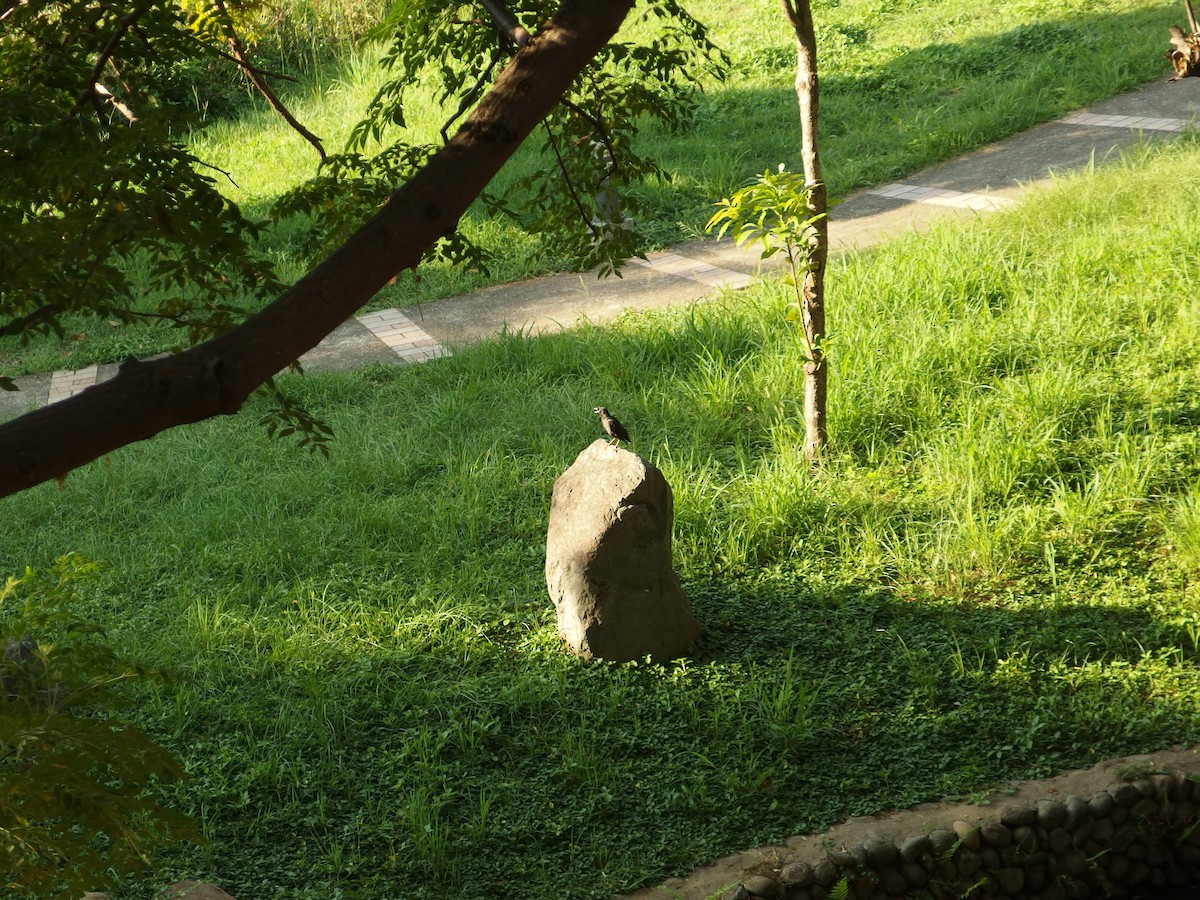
(904, 85)
(993, 576)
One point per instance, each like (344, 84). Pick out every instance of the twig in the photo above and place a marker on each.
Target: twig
(468, 98)
(255, 76)
(209, 165)
(35, 318)
(506, 23)
(248, 67)
(599, 131)
(102, 91)
(562, 167)
(11, 5)
(124, 23)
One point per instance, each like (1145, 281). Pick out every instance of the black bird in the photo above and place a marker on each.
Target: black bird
(612, 427)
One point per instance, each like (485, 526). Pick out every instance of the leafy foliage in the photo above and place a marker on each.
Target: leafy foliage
(773, 211)
(576, 197)
(76, 786)
(105, 211)
(94, 177)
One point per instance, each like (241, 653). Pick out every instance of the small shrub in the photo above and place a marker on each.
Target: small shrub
(76, 809)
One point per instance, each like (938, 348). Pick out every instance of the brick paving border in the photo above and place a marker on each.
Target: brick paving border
(669, 263)
(1133, 123)
(403, 337)
(940, 196)
(67, 384)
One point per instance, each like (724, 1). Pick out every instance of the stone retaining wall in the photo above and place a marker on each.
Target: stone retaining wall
(1134, 839)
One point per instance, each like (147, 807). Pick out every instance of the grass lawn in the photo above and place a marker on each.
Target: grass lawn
(994, 575)
(904, 85)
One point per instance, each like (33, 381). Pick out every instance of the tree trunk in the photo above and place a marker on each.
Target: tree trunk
(216, 377)
(799, 13)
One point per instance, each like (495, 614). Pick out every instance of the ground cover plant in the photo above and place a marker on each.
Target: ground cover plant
(993, 575)
(903, 85)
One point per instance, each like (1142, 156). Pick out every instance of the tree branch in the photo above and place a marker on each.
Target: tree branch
(124, 23)
(214, 378)
(256, 78)
(506, 23)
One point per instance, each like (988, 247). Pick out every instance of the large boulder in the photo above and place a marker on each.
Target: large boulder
(608, 560)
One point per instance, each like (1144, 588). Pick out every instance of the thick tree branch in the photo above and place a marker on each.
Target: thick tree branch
(215, 377)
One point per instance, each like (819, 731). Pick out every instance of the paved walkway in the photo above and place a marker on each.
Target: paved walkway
(985, 180)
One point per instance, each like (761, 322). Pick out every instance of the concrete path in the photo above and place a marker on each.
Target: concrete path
(985, 180)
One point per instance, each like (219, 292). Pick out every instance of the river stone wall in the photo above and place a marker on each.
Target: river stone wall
(1133, 839)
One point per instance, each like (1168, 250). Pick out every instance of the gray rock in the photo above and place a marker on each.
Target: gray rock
(796, 874)
(195, 890)
(608, 560)
(1059, 840)
(764, 887)
(1189, 856)
(1101, 804)
(1146, 808)
(968, 834)
(1118, 866)
(859, 852)
(1081, 832)
(1164, 787)
(1124, 794)
(1072, 863)
(968, 862)
(914, 875)
(946, 871)
(1025, 839)
(1077, 810)
(995, 834)
(1157, 855)
(1011, 880)
(915, 846)
(825, 873)
(1017, 814)
(1183, 786)
(942, 840)
(1036, 876)
(1103, 830)
(1184, 813)
(991, 859)
(1051, 814)
(843, 857)
(880, 852)
(892, 883)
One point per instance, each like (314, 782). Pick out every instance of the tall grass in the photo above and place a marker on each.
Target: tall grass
(993, 575)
